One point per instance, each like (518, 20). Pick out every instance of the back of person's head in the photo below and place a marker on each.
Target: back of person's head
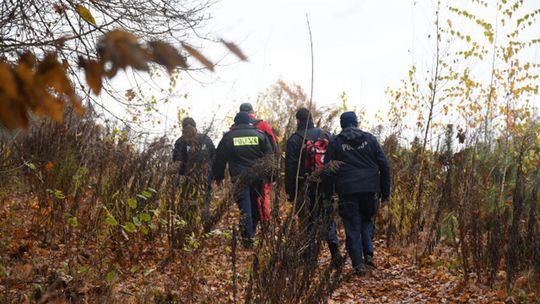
(188, 121)
(303, 114)
(241, 118)
(189, 129)
(246, 107)
(348, 119)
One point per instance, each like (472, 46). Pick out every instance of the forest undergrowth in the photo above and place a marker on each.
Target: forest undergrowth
(87, 217)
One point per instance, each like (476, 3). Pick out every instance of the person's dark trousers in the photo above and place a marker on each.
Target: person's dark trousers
(243, 200)
(357, 212)
(247, 201)
(315, 208)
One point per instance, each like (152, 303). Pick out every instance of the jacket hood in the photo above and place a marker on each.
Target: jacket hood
(352, 134)
(302, 125)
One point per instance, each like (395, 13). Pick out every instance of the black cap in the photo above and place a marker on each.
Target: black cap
(246, 107)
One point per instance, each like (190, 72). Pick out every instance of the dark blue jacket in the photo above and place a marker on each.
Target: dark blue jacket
(201, 150)
(293, 150)
(241, 147)
(365, 168)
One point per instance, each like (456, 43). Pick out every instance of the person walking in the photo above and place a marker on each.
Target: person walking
(195, 153)
(305, 152)
(241, 148)
(362, 178)
(266, 129)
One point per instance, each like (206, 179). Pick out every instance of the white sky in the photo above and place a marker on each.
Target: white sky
(361, 47)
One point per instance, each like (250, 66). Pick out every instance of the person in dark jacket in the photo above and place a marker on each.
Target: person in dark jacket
(363, 175)
(266, 129)
(195, 152)
(316, 199)
(241, 148)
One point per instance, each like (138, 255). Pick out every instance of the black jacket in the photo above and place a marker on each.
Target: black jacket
(365, 168)
(293, 155)
(241, 147)
(188, 153)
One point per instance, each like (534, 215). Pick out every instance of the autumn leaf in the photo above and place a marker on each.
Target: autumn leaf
(76, 104)
(122, 49)
(52, 73)
(166, 55)
(85, 14)
(59, 9)
(130, 94)
(8, 86)
(235, 50)
(48, 166)
(93, 71)
(193, 52)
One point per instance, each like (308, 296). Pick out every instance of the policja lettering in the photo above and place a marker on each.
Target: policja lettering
(246, 141)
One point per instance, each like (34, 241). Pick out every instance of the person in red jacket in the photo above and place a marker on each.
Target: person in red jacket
(264, 205)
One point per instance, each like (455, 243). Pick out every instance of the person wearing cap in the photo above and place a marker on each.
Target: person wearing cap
(195, 152)
(241, 148)
(313, 200)
(259, 123)
(362, 178)
(266, 129)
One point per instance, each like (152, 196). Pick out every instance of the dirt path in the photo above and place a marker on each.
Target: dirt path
(397, 279)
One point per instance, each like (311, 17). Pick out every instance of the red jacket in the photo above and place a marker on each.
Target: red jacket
(264, 126)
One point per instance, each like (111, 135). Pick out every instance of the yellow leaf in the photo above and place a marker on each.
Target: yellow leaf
(85, 14)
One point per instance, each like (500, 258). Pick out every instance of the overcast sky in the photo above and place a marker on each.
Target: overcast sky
(361, 47)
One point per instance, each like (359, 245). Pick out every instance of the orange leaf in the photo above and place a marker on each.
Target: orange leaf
(8, 86)
(93, 70)
(122, 49)
(235, 50)
(167, 56)
(193, 52)
(49, 166)
(52, 73)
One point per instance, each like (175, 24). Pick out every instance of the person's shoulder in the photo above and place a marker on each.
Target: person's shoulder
(260, 133)
(179, 140)
(326, 133)
(369, 136)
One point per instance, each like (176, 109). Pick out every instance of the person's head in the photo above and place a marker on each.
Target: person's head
(241, 118)
(188, 121)
(246, 107)
(189, 128)
(348, 119)
(303, 115)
